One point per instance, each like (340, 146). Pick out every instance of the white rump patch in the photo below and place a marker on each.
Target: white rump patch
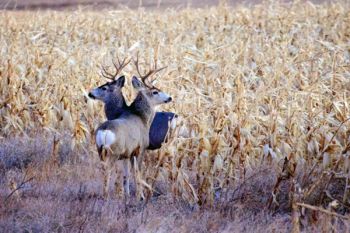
(105, 138)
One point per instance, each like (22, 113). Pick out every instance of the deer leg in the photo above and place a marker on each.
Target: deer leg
(140, 158)
(139, 192)
(106, 174)
(138, 163)
(126, 181)
(102, 153)
(118, 177)
(133, 168)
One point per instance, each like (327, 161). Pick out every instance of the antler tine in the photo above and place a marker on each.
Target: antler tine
(149, 73)
(136, 63)
(118, 68)
(152, 72)
(105, 74)
(120, 65)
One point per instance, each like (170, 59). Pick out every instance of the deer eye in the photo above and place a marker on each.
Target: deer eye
(155, 93)
(104, 88)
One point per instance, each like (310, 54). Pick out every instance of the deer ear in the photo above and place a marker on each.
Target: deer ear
(136, 83)
(120, 81)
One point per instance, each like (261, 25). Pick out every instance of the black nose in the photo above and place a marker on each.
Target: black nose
(168, 100)
(91, 96)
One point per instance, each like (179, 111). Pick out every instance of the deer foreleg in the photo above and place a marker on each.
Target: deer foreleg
(140, 158)
(136, 171)
(133, 168)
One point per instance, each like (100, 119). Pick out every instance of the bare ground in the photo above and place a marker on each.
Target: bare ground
(63, 194)
(41, 191)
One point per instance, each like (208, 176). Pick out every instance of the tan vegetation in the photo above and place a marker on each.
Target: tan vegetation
(263, 93)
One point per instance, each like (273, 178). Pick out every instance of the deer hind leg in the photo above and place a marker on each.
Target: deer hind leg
(118, 190)
(107, 175)
(102, 153)
(126, 179)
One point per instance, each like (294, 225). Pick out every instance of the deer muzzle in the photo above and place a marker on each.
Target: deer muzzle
(168, 100)
(91, 95)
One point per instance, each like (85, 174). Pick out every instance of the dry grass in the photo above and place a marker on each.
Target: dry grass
(263, 93)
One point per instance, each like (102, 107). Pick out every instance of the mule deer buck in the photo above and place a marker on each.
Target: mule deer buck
(127, 137)
(110, 93)
(115, 105)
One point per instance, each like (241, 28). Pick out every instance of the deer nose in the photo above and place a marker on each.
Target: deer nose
(168, 100)
(91, 95)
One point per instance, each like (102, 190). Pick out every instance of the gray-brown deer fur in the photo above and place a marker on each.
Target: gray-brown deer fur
(115, 105)
(127, 137)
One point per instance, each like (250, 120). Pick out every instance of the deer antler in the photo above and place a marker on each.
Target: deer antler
(149, 73)
(118, 68)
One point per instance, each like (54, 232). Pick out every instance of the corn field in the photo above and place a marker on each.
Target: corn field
(260, 91)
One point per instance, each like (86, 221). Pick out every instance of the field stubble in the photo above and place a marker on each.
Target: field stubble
(263, 141)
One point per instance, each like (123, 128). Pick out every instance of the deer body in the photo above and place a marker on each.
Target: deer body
(127, 137)
(122, 136)
(115, 106)
(121, 139)
(160, 128)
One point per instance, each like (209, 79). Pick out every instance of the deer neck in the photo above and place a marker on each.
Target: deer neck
(143, 109)
(115, 106)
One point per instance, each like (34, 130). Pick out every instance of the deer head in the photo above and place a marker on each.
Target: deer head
(154, 95)
(104, 91)
(112, 88)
